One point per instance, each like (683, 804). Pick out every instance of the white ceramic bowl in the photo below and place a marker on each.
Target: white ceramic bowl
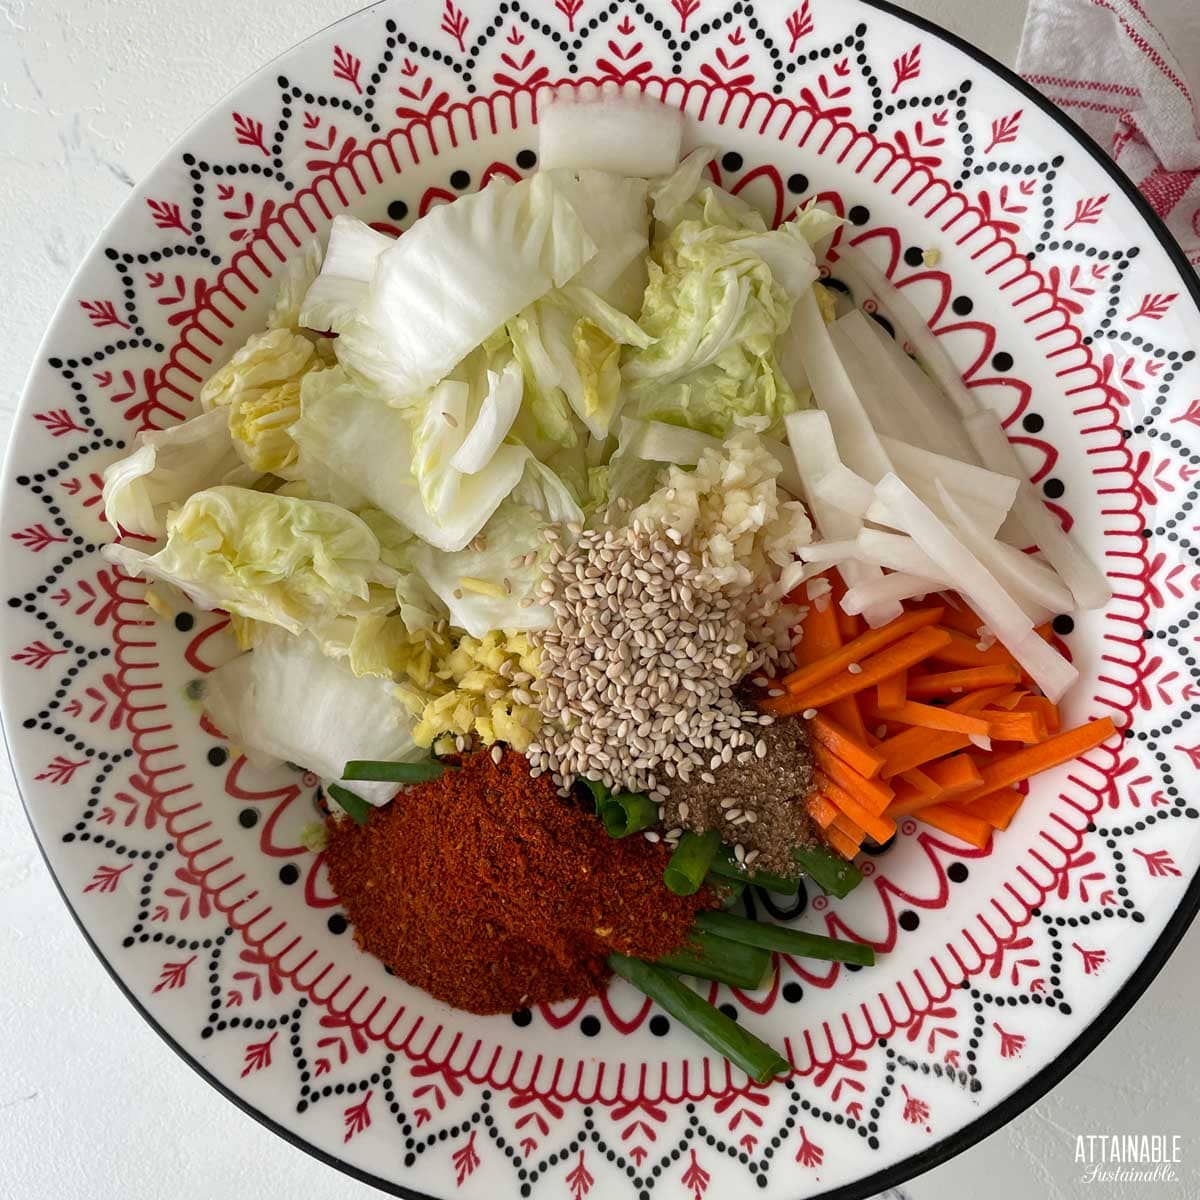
(1069, 311)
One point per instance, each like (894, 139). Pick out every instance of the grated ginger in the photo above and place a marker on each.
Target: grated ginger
(480, 687)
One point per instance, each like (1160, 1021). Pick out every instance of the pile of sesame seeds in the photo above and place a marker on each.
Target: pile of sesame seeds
(638, 672)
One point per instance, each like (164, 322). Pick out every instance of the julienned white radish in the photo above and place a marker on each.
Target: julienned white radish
(962, 479)
(999, 611)
(810, 436)
(1032, 584)
(891, 588)
(842, 488)
(859, 268)
(898, 553)
(1087, 584)
(622, 133)
(857, 442)
(934, 420)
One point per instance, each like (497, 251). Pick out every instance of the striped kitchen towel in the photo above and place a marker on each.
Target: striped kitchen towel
(1129, 72)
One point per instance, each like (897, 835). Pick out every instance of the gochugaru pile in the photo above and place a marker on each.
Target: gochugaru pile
(493, 894)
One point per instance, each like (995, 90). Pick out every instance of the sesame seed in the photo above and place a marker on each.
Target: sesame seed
(809, 713)
(497, 754)
(450, 420)
(854, 669)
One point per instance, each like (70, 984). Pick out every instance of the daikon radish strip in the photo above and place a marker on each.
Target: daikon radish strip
(898, 553)
(1077, 571)
(989, 488)
(858, 267)
(829, 552)
(896, 586)
(857, 442)
(1000, 612)
(843, 489)
(933, 425)
(873, 389)
(810, 436)
(1036, 588)
(615, 131)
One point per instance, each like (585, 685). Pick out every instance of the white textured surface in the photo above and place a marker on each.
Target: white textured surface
(92, 1103)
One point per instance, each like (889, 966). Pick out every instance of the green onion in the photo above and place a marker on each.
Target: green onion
(828, 870)
(729, 892)
(599, 793)
(690, 862)
(786, 941)
(357, 809)
(394, 772)
(709, 956)
(726, 866)
(628, 812)
(726, 1037)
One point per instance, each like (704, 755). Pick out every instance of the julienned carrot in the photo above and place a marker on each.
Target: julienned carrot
(998, 809)
(951, 683)
(860, 648)
(922, 782)
(870, 793)
(954, 775)
(876, 827)
(843, 824)
(963, 619)
(1027, 727)
(892, 691)
(850, 625)
(909, 802)
(851, 750)
(822, 810)
(820, 636)
(1047, 708)
(897, 656)
(1010, 700)
(961, 651)
(841, 843)
(1007, 769)
(930, 716)
(973, 830)
(916, 746)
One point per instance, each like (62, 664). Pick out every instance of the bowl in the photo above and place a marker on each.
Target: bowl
(1070, 312)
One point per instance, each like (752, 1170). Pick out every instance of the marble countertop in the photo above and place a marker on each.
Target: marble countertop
(92, 1103)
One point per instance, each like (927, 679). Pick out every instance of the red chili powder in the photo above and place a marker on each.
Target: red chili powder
(491, 893)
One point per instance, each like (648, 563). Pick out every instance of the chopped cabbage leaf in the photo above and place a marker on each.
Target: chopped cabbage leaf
(298, 277)
(285, 701)
(615, 215)
(294, 563)
(341, 288)
(165, 469)
(497, 412)
(458, 274)
(353, 441)
(670, 194)
(716, 310)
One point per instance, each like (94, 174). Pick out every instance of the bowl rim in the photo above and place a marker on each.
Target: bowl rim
(1028, 1093)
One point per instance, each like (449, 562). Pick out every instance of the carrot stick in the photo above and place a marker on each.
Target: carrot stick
(891, 691)
(999, 808)
(955, 775)
(877, 828)
(822, 810)
(1047, 708)
(916, 746)
(1009, 701)
(973, 830)
(1007, 769)
(947, 683)
(909, 802)
(821, 637)
(963, 619)
(930, 716)
(870, 793)
(1027, 727)
(851, 750)
(861, 647)
(962, 651)
(841, 843)
(843, 824)
(922, 782)
(897, 656)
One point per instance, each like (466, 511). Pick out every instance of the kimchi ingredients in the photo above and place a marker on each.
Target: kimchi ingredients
(486, 890)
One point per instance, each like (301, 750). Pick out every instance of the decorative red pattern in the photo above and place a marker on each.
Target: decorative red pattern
(377, 1013)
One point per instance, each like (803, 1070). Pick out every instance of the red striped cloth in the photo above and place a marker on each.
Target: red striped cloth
(1121, 69)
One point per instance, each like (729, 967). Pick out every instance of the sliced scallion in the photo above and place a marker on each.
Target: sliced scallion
(628, 812)
(690, 862)
(356, 808)
(710, 956)
(787, 941)
(833, 874)
(394, 772)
